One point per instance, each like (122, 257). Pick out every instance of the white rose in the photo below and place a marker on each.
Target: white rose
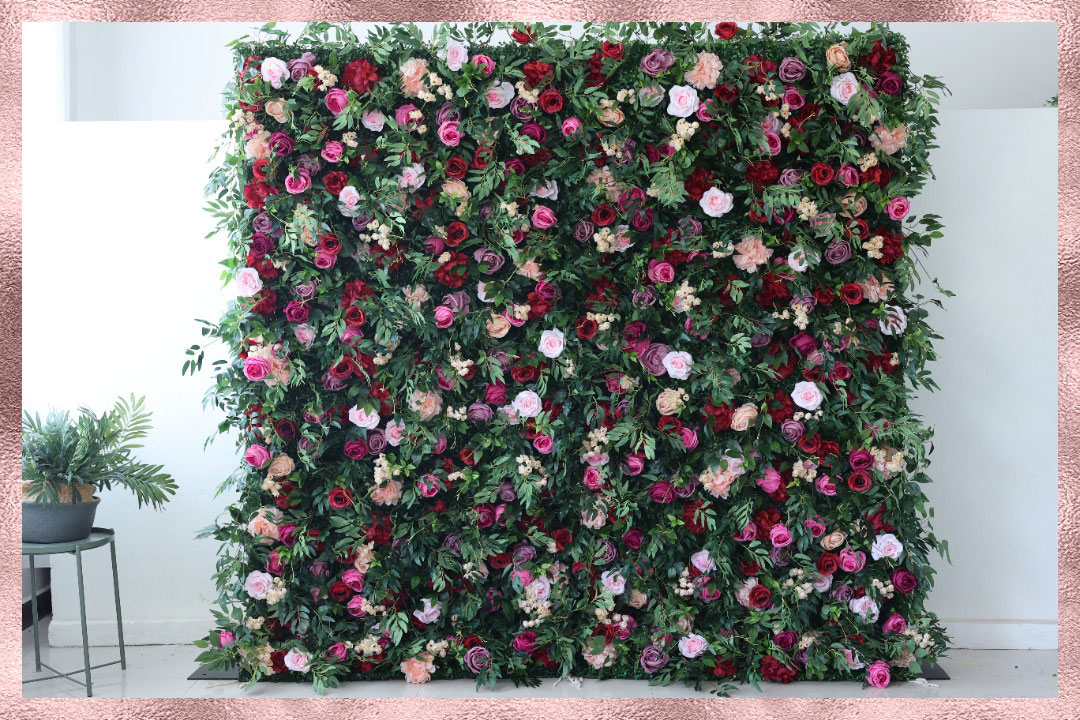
(456, 54)
(843, 87)
(527, 404)
(715, 202)
(796, 260)
(248, 282)
(305, 334)
(677, 364)
(373, 120)
(682, 101)
(499, 95)
(552, 343)
(895, 321)
(886, 545)
(548, 190)
(274, 71)
(865, 608)
(362, 418)
(807, 395)
(258, 583)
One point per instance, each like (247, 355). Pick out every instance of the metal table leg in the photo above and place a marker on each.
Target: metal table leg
(34, 614)
(116, 596)
(82, 617)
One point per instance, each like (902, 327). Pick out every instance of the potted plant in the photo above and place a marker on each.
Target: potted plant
(66, 461)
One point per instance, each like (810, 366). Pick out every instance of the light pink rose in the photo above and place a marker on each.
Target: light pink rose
(332, 151)
(682, 101)
(886, 546)
(274, 71)
(362, 418)
(570, 126)
(449, 133)
(305, 334)
(499, 95)
(807, 395)
(248, 282)
(297, 661)
(456, 55)
(692, 645)
(751, 253)
(527, 404)
(844, 86)
(715, 202)
(705, 71)
(552, 343)
(373, 120)
(678, 364)
(258, 583)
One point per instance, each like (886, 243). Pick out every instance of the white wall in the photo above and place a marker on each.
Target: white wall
(116, 267)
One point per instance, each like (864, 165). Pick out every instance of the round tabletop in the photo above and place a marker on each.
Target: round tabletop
(97, 538)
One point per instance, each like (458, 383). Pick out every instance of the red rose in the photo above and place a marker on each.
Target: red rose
(586, 328)
(335, 182)
(603, 215)
(726, 93)
(689, 511)
(724, 668)
(466, 456)
(537, 72)
(821, 174)
(499, 561)
(456, 233)
(718, 417)
(851, 294)
(525, 374)
(482, 158)
(330, 244)
(775, 671)
(525, 36)
(726, 30)
(760, 597)
(340, 592)
(277, 661)
(824, 296)
(360, 76)
(340, 498)
(611, 50)
(562, 538)
(810, 444)
(457, 167)
(550, 101)
(762, 173)
(699, 181)
(859, 481)
(827, 563)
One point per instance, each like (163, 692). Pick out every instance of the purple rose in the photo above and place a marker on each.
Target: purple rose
(785, 640)
(790, 176)
(446, 114)
(522, 554)
(457, 301)
(298, 68)
(262, 223)
(657, 61)
(584, 230)
(791, 70)
(522, 109)
(376, 441)
(452, 542)
(546, 290)
(492, 259)
(507, 493)
(606, 552)
(331, 383)
(838, 252)
(643, 297)
(792, 430)
(653, 659)
(360, 222)
(633, 539)
(282, 144)
(260, 244)
(652, 358)
(860, 459)
(477, 658)
(480, 412)
(296, 312)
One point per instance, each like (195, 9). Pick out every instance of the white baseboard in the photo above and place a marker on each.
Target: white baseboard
(68, 633)
(1002, 634)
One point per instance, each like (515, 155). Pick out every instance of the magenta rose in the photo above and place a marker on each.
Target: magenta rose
(444, 317)
(336, 100)
(633, 539)
(337, 652)
(257, 456)
(543, 444)
(877, 675)
(634, 464)
(660, 272)
(525, 642)
(662, 492)
(543, 217)
(256, 369)
(495, 394)
(904, 581)
(895, 624)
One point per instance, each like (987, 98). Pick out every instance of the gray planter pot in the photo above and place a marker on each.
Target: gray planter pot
(62, 522)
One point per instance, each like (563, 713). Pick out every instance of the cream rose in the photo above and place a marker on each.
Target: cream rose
(833, 540)
(498, 325)
(743, 416)
(669, 402)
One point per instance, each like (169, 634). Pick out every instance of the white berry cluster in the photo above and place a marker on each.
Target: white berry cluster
(797, 579)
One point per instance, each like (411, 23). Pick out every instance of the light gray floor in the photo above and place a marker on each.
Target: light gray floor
(162, 671)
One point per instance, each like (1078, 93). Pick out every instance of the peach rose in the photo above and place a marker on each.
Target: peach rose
(853, 206)
(888, 141)
(637, 599)
(278, 110)
(611, 116)
(750, 253)
(258, 148)
(743, 416)
(837, 56)
(413, 75)
(669, 402)
(833, 540)
(498, 325)
(388, 494)
(426, 404)
(418, 669)
(264, 525)
(876, 289)
(416, 295)
(705, 71)
(280, 466)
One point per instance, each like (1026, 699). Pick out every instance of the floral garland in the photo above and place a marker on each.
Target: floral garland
(576, 355)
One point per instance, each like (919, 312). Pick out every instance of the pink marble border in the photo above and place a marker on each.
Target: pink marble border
(1064, 706)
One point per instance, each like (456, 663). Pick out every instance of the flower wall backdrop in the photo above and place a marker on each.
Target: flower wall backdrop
(579, 354)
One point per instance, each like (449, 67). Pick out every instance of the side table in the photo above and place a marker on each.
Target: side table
(98, 537)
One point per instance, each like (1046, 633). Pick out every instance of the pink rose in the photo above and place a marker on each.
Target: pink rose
(898, 208)
(226, 638)
(807, 395)
(682, 101)
(337, 652)
(332, 151)
(779, 535)
(449, 134)
(444, 317)
(593, 479)
(543, 444)
(256, 369)
(354, 579)
(877, 675)
(634, 464)
(770, 483)
(895, 624)
(257, 456)
(248, 282)
(661, 272)
(486, 64)
(336, 100)
(692, 645)
(258, 583)
(543, 217)
(570, 126)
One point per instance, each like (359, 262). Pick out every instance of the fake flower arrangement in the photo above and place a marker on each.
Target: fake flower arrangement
(579, 355)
